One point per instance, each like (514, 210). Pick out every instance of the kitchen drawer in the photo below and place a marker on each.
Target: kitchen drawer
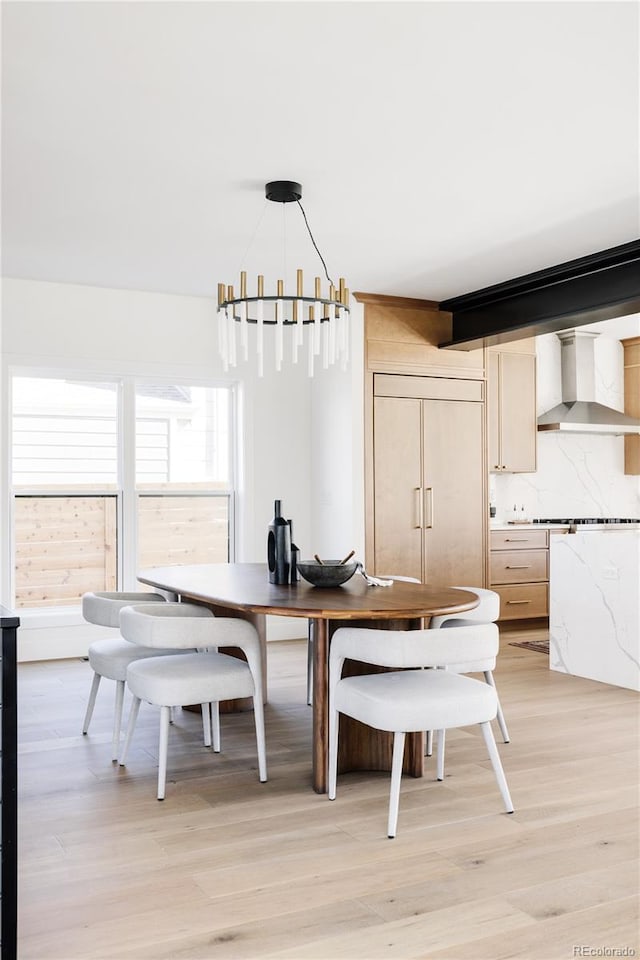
(523, 601)
(519, 539)
(519, 566)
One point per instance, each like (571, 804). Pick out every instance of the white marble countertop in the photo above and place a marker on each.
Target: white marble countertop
(582, 527)
(527, 526)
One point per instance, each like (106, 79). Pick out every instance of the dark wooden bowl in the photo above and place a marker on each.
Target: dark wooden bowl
(331, 573)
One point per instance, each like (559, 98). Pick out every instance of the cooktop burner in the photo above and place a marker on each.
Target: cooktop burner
(592, 520)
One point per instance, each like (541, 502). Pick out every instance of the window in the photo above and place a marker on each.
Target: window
(183, 475)
(109, 477)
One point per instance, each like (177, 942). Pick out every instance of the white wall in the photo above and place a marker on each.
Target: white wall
(337, 459)
(578, 475)
(50, 327)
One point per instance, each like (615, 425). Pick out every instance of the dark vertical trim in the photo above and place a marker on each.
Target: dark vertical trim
(9, 889)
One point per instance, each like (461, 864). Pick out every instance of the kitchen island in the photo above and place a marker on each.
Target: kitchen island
(594, 604)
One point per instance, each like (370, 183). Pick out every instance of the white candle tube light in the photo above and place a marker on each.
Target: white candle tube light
(310, 342)
(332, 327)
(299, 329)
(244, 327)
(260, 326)
(222, 338)
(298, 314)
(344, 321)
(325, 344)
(244, 331)
(222, 325)
(317, 316)
(231, 334)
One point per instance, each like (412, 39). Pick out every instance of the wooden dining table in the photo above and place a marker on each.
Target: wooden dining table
(243, 590)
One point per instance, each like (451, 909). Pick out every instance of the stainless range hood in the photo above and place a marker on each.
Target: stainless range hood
(579, 412)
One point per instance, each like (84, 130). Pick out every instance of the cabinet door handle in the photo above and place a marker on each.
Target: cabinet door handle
(428, 496)
(417, 492)
(520, 566)
(517, 601)
(516, 539)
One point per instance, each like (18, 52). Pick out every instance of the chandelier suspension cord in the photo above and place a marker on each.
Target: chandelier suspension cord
(253, 236)
(284, 243)
(326, 272)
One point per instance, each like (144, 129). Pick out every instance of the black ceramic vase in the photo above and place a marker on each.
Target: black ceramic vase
(279, 547)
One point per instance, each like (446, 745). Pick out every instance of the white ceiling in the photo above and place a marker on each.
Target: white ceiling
(442, 146)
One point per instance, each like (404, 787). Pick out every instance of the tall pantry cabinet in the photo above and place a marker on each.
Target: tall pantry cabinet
(425, 442)
(428, 479)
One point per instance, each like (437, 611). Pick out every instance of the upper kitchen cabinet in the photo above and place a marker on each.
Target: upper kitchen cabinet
(511, 407)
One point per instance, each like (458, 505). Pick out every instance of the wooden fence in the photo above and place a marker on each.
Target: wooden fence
(67, 545)
(182, 530)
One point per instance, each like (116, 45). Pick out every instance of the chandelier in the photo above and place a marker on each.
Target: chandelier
(317, 326)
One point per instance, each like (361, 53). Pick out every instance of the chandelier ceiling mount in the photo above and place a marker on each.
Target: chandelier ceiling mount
(283, 191)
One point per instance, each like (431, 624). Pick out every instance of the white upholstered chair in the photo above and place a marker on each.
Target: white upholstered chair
(111, 656)
(384, 576)
(410, 699)
(487, 611)
(203, 677)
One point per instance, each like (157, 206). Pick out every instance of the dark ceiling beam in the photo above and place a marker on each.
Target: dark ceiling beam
(598, 287)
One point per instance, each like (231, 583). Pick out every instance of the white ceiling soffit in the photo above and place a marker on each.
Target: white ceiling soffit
(442, 147)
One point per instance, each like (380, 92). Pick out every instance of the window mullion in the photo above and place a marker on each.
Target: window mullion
(128, 529)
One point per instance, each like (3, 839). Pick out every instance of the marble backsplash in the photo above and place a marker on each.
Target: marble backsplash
(578, 475)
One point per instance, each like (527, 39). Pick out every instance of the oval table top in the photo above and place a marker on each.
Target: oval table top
(245, 586)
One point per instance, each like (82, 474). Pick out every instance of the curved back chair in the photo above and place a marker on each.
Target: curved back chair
(487, 611)
(204, 677)
(408, 699)
(310, 640)
(110, 657)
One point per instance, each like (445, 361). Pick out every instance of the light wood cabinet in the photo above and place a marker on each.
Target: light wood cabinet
(519, 563)
(429, 489)
(511, 410)
(425, 446)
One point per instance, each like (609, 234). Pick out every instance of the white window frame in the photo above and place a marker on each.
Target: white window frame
(125, 492)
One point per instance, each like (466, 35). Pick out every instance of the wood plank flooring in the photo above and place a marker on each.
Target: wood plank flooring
(227, 867)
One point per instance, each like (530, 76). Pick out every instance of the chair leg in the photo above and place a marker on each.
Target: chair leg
(488, 676)
(133, 716)
(117, 720)
(428, 747)
(258, 716)
(165, 715)
(497, 765)
(95, 683)
(334, 722)
(440, 755)
(206, 723)
(215, 725)
(310, 664)
(396, 777)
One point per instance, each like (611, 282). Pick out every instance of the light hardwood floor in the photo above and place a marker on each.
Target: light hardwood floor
(227, 867)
